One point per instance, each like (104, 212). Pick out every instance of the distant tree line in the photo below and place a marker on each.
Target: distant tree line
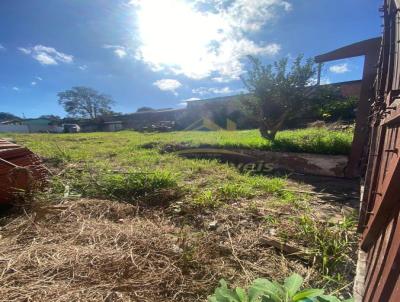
(5, 116)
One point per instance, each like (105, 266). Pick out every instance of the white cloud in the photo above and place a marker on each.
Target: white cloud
(323, 81)
(15, 88)
(24, 50)
(191, 99)
(215, 90)
(221, 80)
(168, 85)
(39, 78)
(2, 47)
(45, 59)
(33, 83)
(200, 38)
(183, 103)
(47, 55)
(339, 68)
(120, 51)
(83, 67)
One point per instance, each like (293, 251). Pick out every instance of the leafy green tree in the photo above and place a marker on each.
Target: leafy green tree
(279, 93)
(85, 102)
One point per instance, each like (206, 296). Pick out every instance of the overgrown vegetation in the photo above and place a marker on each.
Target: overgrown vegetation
(202, 220)
(330, 244)
(309, 140)
(334, 110)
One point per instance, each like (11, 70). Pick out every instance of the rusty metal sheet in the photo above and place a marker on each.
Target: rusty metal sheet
(380, 211)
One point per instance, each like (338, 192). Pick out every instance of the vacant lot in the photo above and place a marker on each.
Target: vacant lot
(123, 221)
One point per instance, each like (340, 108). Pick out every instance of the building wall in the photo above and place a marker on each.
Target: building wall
(14, 128)
(143, 120)
(350, 89)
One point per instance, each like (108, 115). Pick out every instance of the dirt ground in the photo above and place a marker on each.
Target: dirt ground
(101, 250)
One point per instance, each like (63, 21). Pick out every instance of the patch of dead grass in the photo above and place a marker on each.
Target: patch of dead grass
(92, 250)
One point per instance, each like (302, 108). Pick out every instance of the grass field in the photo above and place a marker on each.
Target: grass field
(112, 202)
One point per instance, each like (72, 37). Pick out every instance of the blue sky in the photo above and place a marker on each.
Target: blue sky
(160, 53)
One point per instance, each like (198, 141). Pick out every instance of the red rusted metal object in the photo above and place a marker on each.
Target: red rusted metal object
(369, 49)
(378, 276)
(20, 171)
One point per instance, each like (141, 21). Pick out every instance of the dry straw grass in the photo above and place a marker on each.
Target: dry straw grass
(91, 250)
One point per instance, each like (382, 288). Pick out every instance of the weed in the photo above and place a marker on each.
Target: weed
(62, 154)
(270, 219)
(252, 207)
(126, 186)
(206, 199)
(265, 290)
(314, 140)
(130, 185)
(115, 166)
(233, 191)
(269, 185)
(330, 244)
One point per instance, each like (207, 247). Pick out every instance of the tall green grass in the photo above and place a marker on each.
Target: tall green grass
(309, 140)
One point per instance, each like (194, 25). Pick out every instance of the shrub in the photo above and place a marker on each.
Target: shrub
(279, 94)
(342, 109)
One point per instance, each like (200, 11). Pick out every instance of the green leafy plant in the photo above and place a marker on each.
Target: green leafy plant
(263, 290)
(337, 109)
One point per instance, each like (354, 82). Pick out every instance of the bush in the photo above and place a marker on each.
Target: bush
(338, 110)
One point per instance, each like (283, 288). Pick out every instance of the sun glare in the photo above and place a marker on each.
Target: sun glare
(173, 33)
(176, 36)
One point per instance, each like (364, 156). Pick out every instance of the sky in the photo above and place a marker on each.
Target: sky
(164, 53)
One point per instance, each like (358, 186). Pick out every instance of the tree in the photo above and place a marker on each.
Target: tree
(5, 116)
(85, 102)
(51, 117)
(279, 94)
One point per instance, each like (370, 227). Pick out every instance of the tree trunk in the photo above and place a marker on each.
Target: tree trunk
(266, 132)
(269, 132)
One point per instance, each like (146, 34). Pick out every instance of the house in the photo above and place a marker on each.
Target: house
(112, 126)
(33, 125)
(13, 126)
(42, 125)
